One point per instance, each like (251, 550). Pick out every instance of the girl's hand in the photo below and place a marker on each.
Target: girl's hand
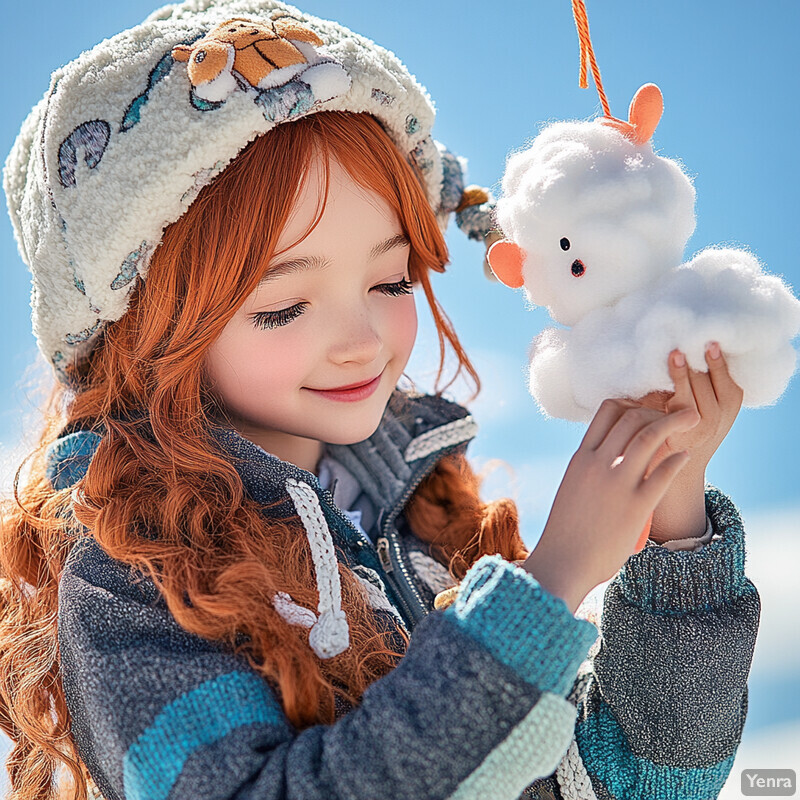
(682, 511)
(713, 394)
(603, 501)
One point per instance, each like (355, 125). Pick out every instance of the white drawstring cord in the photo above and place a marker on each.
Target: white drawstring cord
(573, 780)
(292, 612)
(329, 633)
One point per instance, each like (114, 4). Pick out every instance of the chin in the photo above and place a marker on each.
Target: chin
(356, 430)
(352, 435)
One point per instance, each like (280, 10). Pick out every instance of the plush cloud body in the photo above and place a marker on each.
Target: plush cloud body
(603, 224)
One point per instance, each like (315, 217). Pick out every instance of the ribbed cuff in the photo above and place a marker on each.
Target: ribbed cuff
(505, 608)
(691, 542)
(664, 581)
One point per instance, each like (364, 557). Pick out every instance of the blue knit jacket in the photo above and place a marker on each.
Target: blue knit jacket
(503, 694)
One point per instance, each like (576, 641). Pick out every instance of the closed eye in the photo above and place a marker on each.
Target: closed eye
(267, 320)
(397, 289)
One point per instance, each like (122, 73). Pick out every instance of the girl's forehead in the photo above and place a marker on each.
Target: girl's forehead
(312, 187)
(347, 208)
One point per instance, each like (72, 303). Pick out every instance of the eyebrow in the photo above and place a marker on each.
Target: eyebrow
(304, 263)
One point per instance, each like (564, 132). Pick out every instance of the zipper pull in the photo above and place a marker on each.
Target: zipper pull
(382, 546)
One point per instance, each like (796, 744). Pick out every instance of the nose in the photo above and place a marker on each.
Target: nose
(355, 339)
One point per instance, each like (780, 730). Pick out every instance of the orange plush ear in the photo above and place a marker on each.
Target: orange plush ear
(182, 52)
(506, 260)
(645, 112)
(643, 115)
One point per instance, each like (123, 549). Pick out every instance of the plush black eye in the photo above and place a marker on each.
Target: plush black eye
(565, 243)
(577, 268)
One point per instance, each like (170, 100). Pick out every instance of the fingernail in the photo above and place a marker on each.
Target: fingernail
(678, 359)
(713, 350)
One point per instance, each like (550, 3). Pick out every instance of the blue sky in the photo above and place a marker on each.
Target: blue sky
(727, 70)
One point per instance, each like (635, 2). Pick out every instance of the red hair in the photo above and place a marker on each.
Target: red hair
(158, 467)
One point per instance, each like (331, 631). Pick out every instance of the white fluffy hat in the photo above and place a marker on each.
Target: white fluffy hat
(130, 131)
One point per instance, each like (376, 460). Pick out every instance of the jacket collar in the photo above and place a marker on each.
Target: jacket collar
(413, 434)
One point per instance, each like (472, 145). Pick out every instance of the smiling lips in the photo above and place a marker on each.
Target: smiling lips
(351, 393)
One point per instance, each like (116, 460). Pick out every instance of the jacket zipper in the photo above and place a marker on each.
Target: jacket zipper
(388, 568)
(401, 581)
(383, 554)
(387, 544)
(383, 557)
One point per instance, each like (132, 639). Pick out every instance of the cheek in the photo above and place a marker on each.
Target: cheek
(245, 359)
(284, 355)
(404, 326)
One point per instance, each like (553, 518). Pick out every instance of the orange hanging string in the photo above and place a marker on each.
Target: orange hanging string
(587, 52)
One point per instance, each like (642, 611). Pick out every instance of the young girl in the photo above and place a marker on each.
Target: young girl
(219, 577)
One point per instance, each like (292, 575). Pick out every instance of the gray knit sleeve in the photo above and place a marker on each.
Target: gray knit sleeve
(665, 702)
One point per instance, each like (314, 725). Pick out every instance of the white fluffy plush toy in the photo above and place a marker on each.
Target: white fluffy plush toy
(595, 227)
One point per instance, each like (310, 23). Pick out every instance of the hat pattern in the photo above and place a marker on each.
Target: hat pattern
(131, 131)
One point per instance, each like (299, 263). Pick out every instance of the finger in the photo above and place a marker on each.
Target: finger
(693, 389)
(728, 393)
(644, 445)
(679, 372)
(630, 423)
(662, 476)
(705, 396)
(604, 419)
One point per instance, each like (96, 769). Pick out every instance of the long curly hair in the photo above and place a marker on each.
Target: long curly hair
(157, 467)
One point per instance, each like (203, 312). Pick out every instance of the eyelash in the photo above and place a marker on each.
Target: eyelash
(395, 289)
(268, 320)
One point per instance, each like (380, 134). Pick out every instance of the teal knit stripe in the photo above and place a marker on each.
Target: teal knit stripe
(197, 719)
(607, 756)
(504, 608)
